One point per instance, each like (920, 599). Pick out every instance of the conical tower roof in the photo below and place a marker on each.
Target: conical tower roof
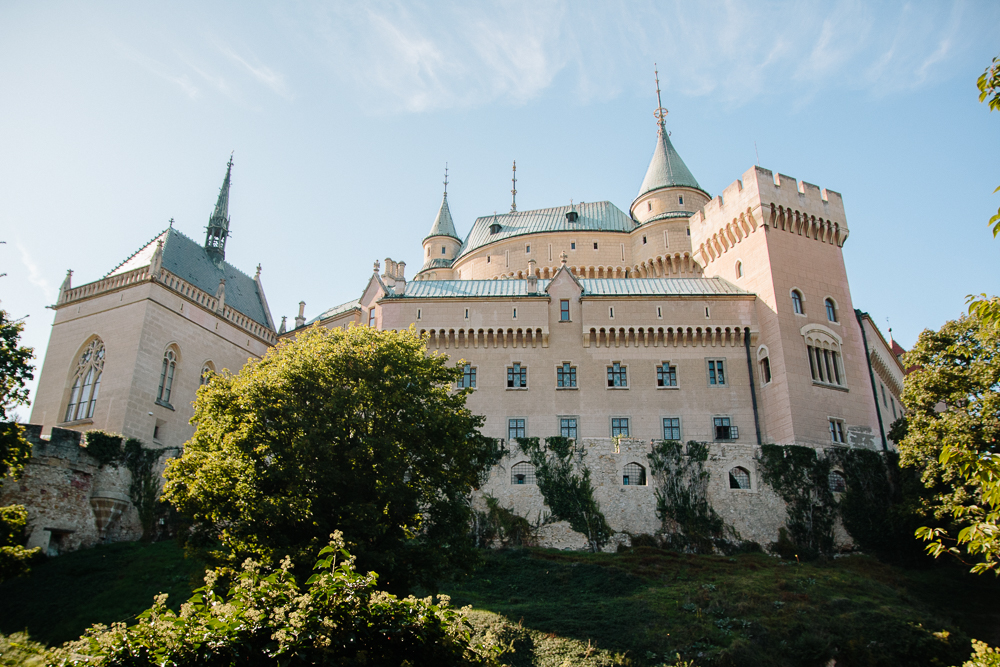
(218, 224)
(666, 169)
(443, 224)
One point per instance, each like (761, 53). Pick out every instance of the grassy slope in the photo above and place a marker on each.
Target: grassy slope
(649, 604)
(63, 596)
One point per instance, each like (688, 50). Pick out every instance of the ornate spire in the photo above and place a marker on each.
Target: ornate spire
(218, 224)
(513, 190)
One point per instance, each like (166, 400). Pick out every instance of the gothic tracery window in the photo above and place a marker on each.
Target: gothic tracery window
(167, 371)
(86, 382)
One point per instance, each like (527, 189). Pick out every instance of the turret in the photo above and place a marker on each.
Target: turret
(442, 244)
(218, 224)
(669, 190)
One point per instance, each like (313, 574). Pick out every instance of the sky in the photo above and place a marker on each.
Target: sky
(117, 117)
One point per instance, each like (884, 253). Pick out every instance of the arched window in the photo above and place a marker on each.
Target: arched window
(823, 349)
(739, 269)
(765, 364)
(167, 371)
(522, 473)
(86, 382)
(831, 310)
(837, 482)
(797, 302)
(207, 371)
(739, 478)
(634, 475)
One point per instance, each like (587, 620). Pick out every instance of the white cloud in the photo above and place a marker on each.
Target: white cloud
(159, 69)
(35, 275)
(262, 73)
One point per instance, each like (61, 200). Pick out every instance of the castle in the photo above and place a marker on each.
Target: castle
(726, 320)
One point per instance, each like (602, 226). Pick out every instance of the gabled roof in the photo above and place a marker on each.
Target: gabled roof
(430, 289)
(666, 169)
(443, 224)
(190, 261)
(593, 216)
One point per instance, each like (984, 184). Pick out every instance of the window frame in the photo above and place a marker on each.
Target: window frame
(734, 431)
(671, 373)
(680, 428)
(85, 384)
(564, 311)
(563, 428)
(832, 314)
(526, 482)
(623, 423)
(750, 485)
(798, 301)
(468, 374)
(563, 369)
(617, 377)
(714, 367)
(626, 477)
(838, 431)
(514, 371)
(513, 425)
(168, 372)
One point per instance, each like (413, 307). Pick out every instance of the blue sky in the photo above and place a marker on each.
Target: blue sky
(116, 117)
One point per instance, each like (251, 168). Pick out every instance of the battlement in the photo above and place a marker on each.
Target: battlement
(761, 199)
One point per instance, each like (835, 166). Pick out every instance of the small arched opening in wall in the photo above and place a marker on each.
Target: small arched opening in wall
(634, 474)
(739, 478)
(798, 301)
(522, 473)
(832, 310)
(837, 481)
(764, 365)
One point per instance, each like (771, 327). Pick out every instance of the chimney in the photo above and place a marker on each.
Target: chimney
(300, 320)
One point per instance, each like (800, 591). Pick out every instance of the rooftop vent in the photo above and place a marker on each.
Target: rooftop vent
(571, 213)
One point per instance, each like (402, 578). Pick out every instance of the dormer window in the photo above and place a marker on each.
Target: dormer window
(571, 216)
(495, 228)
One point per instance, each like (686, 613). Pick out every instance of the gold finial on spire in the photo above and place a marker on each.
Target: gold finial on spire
(513, 190)
(660, 114)
(445, 179)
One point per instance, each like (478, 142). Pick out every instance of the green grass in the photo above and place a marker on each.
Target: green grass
(63, 596)
(639, 607)
(747, 610)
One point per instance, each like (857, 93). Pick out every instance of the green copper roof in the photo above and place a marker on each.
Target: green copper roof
(443, 224)
(429, 289)
(593, 216)
(336, 310)
(666, 169)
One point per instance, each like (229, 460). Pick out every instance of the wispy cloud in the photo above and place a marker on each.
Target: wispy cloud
(271, 78)
(35, 275)
(157, 68)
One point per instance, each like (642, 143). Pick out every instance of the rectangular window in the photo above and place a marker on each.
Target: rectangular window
(716, 372)
(619, 427)
(892, 399)
(565, 376)
(517, 377)
(418, 313)
(724, 430)
(765, 370)
(666, 240)
(837, 431)
(617, 375)
(466, 313)
(611, 312)
(595, 245)
(659, 313)
(567, 427)
(527, 250)
(564, 310)
(371, 317)
(572, 245)
(515, 313)
(672, 428)
(468, 379)
(666, 376)
(515, 429)
(885, 404)
(643, 240)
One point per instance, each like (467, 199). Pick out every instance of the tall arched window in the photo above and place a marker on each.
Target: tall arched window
(797, 302)
(207, 371)
(831, 310)
(167, 371)
(86, 382)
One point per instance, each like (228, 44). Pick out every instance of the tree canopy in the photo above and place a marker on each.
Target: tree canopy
(357, 430)
(953, 435)
(985, 307)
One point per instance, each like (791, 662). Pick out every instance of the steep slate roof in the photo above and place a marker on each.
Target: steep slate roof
(594, 216)
(430, 289)
(188, 260)
(666, 169)
(336, 310)
(443, 224)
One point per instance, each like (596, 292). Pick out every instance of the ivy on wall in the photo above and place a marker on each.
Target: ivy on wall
(568, 493)
(114, 449)
(498, 526)
(682, 496)
(801, 477)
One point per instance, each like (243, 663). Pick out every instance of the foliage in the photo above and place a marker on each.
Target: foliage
(19, 650)
(953, 417)
(104, 446)
(801, 478)
(357, 430)
(566, 486)
(682, 496)
(498, 526)
(983, 656)
(881, 507)
(15, 450)
(337, 618)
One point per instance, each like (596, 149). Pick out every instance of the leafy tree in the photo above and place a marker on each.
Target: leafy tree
(15, 372)
(985, 307)
(953, 426)
(339, 618)
(357, 430)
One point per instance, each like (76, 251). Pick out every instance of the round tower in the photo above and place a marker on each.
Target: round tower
(441, 245)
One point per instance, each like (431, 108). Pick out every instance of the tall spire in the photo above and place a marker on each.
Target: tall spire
(666, 169)
(443, 224)
(218, 224)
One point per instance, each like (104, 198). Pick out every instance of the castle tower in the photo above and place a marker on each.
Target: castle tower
(441, 245)
(782, 240)
(128, 351)
(218, 224)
